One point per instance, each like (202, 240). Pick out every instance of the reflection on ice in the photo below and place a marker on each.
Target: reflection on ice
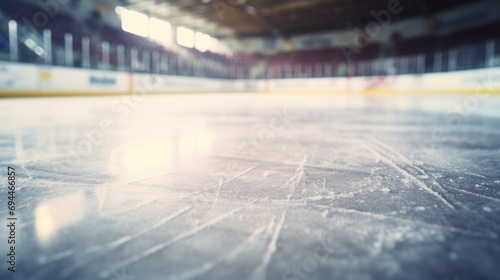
(147, 155)
(191, 143)
(142, 158)
(53, 215)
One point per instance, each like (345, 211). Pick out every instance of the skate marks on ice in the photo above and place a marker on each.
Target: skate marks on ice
(259, 272)
(391, 159)
(383, 212)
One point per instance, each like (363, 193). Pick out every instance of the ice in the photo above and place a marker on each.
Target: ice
(253, 186)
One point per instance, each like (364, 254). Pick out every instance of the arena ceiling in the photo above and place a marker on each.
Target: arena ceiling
(278, 17)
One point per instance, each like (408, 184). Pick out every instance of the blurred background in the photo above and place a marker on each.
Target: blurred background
(230, 41)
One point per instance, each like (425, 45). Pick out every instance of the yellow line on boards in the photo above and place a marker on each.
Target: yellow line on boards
(15, 94)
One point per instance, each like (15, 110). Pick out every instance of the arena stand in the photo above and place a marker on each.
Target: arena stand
(97, 45)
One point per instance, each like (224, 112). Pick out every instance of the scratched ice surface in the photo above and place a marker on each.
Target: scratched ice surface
(254, 187)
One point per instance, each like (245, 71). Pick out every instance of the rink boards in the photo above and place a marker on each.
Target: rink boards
(17, 80)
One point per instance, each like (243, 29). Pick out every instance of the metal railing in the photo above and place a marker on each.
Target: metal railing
(474, 56)
(27, 45)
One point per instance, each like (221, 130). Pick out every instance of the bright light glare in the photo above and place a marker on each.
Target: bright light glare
(202, 41)
(214, 45)
(134, 22)
(160, 31)
(30, 43)
(119, 9)
(55, 214)
(185, 37)
(39, 51)
(147, 155)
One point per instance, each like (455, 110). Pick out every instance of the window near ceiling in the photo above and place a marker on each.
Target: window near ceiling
(160, 31)
(185, 37)
(202, 41)
(134, 22)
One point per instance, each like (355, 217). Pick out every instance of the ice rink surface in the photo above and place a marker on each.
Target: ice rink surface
(242, 186)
